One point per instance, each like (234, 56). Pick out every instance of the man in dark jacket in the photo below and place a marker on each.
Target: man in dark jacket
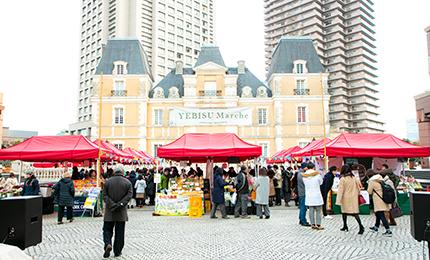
(301, 193)
(218, 194)
(286, 184)
(150, 187)
(133, 178)
(242, 190)
(326, 187)
(117, 193)
(64, 193)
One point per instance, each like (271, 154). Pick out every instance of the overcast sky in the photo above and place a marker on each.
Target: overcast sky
(39, 57)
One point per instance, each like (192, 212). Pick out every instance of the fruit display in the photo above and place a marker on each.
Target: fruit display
(82, 187)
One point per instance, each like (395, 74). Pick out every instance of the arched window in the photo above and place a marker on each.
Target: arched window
(262, 92)
(246, 92)
(173, 92)
(300, 67)
(158, 92)
(119, 68)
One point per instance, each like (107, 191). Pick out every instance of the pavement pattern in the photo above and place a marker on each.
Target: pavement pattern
(279, 237)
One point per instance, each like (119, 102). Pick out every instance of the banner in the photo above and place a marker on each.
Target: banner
(210, 116)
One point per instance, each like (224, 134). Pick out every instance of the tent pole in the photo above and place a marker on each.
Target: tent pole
(323, 123)
(20, 171)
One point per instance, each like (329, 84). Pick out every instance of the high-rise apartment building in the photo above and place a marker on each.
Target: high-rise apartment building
(428, 44)
(169, 30)
(343, 33)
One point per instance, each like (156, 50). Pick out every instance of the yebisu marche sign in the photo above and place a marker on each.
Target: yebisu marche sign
(210, 116)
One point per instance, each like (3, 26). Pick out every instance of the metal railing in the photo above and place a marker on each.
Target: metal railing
(118, 93)
(301, 91)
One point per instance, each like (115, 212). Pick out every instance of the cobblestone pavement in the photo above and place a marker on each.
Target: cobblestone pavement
(279, 237)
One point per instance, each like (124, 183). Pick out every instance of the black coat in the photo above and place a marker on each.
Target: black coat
(218, 190)
(327, 183)
(133, 180)
(117, 193)
(150, 185)
(64, 192)
(286, 183)
(31, 187)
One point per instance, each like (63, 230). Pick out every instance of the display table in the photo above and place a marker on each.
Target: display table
(176, 204)
(404, 203)
(402, 200)
(364, 209)
(78, 207)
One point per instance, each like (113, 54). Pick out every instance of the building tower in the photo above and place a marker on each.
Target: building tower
(343, 33)
(168, 31)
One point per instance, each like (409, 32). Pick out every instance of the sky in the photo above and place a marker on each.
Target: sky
(39, 57)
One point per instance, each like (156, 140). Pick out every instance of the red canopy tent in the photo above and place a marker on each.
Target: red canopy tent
(114, 153)
(201, 147)
(146, 157)
(52, 149)
(281, 156)
(139, 155)
(372, 145)
(309, 149)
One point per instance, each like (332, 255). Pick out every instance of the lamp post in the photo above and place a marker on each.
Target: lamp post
(99, 165)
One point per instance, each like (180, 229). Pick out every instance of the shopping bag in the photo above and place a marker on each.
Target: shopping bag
(233, 198)
(361, 200)
(396, 211)
(227, 196)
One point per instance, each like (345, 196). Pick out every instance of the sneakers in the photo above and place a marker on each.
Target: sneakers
(267, 217)
(328, 217)
(245, 217)
(107, 251)
(375, 229)
(388, 233)
(225, 217)
(213, 217)
(305, 224)
(60, 222)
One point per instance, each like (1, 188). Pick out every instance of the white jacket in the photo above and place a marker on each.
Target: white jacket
(313, 180)
(140, 186)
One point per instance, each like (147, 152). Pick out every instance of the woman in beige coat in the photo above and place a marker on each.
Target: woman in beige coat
(379, 206)
(347, 197)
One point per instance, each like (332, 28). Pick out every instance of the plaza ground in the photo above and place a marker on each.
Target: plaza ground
(279, 237)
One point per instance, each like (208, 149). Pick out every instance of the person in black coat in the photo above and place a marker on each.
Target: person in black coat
(286, 184)
(31, 186)
(117, 193)
(150, 187)
(64, 193)
(326, 186)
(218, 194)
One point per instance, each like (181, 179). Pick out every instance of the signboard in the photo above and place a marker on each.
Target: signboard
(210, 116)
(91, 200)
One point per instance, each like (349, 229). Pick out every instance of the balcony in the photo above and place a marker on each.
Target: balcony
(211, 93)
(118, 93)
(301, 92)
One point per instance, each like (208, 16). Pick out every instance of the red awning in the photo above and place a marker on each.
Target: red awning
(281, 156)
(201, 147)
(140, 155)
(52, 149)
(372, 145)
(114, 153)
(309, 150)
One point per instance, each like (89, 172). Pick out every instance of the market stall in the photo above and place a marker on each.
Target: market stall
(201, 148)
(283, 156)
(54, 149)
(378, 148)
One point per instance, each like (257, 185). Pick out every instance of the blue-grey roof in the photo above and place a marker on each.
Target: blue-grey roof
(209, 53)
(292, 48)
(248, 79)
(128, 50)
(172, 80)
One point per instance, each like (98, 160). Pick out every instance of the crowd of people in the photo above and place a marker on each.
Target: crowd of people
(302, 184)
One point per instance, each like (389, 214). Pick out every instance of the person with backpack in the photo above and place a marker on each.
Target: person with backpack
(381, 195)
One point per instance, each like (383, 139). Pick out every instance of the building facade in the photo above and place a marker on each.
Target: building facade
(12, 137)
(422, 103)
(210, 97)
(343, 33)
(168, 30)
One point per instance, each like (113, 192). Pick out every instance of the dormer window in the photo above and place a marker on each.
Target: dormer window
(173, 92)
(300, 67)
(158, 92)
(262, 92)
(119, 68)
(246, 92)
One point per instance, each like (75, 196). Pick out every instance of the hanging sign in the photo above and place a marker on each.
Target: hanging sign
(210, 116)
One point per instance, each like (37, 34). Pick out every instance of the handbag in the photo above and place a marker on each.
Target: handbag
(361, 200)
(396, 211)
